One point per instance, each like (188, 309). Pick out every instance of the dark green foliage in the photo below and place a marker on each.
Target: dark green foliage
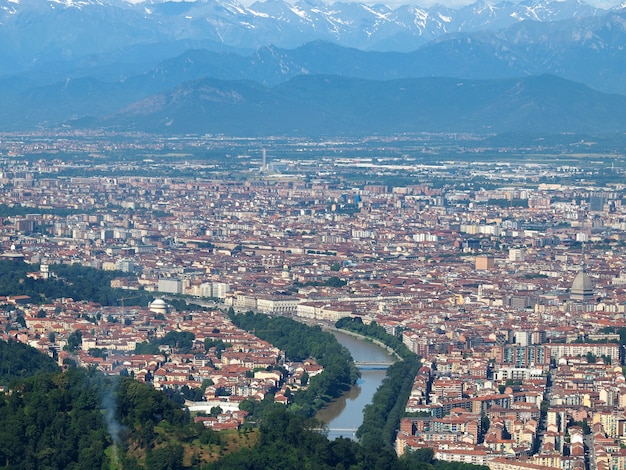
(299, 342)
(147, 348)
(258, 409)
(290, 441)
(53, 421)
(583, 424)
(382, 417)
(20, 320)
(484, 424)
(74, 341)
(179, 340)
(192, 394)
(16, 210)
(423, 459)
(208, 436)
(68, 420)
(92, 284)
(169, 457)
(75, 281)
(334, 281)
(535, 276)
(426, 455)
(18, 360)
(219, 346)
(139, 406)
(620, 331)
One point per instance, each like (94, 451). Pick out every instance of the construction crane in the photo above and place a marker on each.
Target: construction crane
(123, 299)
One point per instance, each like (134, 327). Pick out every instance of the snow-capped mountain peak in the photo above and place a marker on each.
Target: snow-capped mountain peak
(49, 30)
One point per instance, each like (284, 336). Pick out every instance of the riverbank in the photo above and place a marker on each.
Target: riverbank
(382, 418)
(378, 343)
(344, 415)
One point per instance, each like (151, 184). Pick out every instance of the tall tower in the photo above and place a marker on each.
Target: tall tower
(582, 287)
(264, 163)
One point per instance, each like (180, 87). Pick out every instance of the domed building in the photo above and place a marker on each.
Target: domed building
(582, 287)
(158, 306)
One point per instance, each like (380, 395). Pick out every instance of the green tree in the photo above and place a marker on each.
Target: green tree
(169, 457)
(74, 341)
(300, 342)
(18, 360)
(334, 281)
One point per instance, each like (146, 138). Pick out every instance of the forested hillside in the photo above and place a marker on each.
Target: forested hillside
(80, 419)
(73, 281)
(18, 360)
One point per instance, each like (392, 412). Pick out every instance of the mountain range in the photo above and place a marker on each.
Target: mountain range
(35, 31)
(315, 105)
(196, 66)
(331, 105)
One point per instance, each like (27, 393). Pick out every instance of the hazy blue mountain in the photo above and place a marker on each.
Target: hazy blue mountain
(589, 50)
(101, 32)
(324, 105)
(274, 67)
(30, 107)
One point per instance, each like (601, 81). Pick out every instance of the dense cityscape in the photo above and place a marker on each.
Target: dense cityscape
(501, 268)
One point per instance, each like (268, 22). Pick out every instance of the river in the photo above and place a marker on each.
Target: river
(344, 415)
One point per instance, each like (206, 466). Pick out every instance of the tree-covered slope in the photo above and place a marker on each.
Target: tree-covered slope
(73, 281)
(300, 342)
(18, 360)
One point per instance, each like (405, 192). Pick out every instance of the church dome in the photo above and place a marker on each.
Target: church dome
(158, 306)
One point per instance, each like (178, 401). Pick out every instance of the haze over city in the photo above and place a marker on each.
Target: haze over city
(312, 235)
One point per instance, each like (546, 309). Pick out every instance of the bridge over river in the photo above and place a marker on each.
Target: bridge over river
(344, 415)
(340, 432)
(372, 364)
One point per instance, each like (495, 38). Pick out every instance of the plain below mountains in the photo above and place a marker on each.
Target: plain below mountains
(316, 105)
